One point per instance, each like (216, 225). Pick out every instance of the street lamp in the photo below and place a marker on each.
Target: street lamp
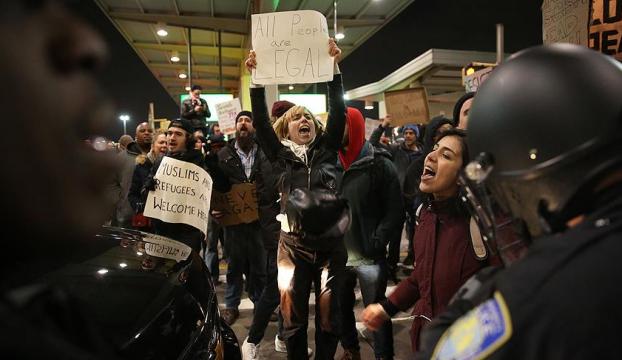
(124, 118)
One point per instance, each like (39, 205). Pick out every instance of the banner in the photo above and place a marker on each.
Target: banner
(565, 21)
(408, 106)
(606, 27)
(239, 205)
(370, 126)
(227, 111)
(291, 48)
(182, 194)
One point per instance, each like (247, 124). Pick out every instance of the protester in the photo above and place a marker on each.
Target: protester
(306, 155)
(144, 163)
(54, 194)
(122, 180)
(560, 173)
(196, 109)
(279, 108)
(462, 109)
(124, 141)
(403, 154)
(180, 142)
(444, 252)
(268, 198)
(369, 181)
(412, 194)
(240, 161)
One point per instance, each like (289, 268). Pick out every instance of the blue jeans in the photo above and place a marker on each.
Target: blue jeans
(373, 282)
(214, 233)
(270, 299)
(246, 253)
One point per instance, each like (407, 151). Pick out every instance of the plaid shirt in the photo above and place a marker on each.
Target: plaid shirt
(247, 159)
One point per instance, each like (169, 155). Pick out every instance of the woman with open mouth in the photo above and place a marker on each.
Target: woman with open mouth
(311, 248)
(444, 253)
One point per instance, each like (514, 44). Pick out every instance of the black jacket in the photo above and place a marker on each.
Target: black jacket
(265, 182)
(562, 300)
(320, 173)
(142, 170)
(371, 187)
(198, 119)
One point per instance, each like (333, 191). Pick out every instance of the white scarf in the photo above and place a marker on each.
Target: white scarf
(299, 150)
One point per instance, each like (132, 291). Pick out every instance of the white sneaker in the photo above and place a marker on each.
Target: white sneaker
(250, 351)
(280, 346)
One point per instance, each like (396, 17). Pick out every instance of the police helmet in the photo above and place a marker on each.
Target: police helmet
(544, 128)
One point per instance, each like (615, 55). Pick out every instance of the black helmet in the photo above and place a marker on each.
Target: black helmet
(543, 129)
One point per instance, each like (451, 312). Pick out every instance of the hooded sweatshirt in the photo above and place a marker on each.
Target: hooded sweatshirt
(356, 137)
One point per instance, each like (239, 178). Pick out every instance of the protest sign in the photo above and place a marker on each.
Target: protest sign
(370, 126)
(182, 194)
(163, 247)
(474, 81)
(606, 27)
(239, 205)
(227, 111)
(291, 47)
(408, 106)
(565, 21)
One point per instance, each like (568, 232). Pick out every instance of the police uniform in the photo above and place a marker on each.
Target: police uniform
(562, 301)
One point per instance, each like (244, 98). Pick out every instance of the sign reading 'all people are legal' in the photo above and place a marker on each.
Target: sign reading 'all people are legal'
(291, 47)
(182, 194)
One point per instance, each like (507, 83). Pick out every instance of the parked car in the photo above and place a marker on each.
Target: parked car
(151, 297)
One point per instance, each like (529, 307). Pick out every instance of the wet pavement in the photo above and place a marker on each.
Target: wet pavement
(401, 326)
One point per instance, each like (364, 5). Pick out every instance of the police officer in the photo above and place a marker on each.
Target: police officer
(546, 132)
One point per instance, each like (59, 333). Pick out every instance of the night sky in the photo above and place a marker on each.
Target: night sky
(425, 24)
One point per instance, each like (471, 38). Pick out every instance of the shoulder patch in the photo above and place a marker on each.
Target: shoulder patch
(478, 333)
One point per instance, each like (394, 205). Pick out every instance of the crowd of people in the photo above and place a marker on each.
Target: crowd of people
(515, 227)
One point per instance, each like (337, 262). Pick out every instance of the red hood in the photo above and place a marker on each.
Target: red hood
(356, 137)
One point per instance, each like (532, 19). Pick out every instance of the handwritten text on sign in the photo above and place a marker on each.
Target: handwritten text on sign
(606, 27)
(408, 106)
(291, 48)
(227, 111)
(565, 21)
(239, 205)
(182, 195)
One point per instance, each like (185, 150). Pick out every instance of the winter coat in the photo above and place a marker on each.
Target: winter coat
(267, 194)
(121, 185)
(320, 173)
(444, 260)
(136, 196)
(372, 189)
(198, 119)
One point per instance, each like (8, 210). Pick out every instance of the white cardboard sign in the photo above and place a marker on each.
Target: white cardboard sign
(182, 195)
(370, 126)
(291, 47)
(227, 111)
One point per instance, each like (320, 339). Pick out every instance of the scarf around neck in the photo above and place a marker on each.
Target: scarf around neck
(299, 150)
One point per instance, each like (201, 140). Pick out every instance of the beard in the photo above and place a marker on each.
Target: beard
(245, 142)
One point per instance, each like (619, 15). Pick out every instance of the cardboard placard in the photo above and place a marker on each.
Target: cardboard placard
(474, 81)
(606, 27)
(227, 111)
(370, 126)
(408, 106)
(565, 21)
(182, 195)
(291, 47)
(239, 205)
